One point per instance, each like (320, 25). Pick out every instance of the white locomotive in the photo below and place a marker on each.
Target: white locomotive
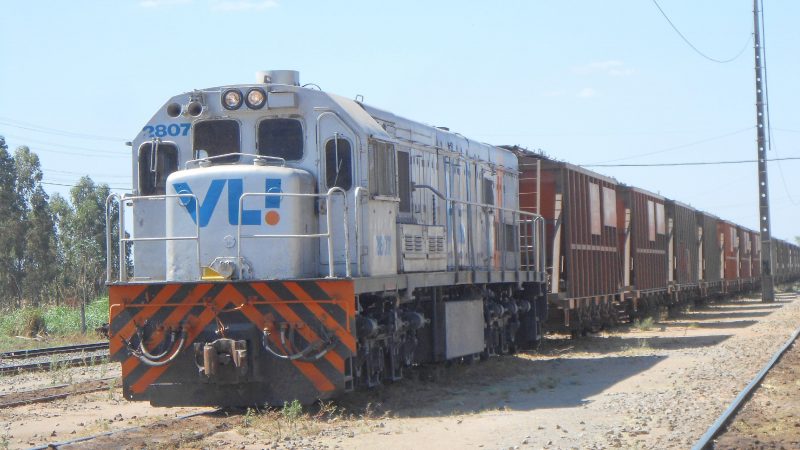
(290, 243)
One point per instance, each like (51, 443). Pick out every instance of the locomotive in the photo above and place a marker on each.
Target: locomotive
(284, 243)
(287, 243)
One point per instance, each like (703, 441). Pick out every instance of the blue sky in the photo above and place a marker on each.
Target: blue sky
(586, 81)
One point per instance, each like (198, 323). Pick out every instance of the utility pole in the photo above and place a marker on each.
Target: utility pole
(767, 286)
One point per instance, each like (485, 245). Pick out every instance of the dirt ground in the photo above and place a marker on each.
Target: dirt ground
(658, 386)
(654, 388)
(771, 417)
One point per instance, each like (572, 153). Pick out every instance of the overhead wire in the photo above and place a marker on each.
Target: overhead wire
(677, 147)
(49, 183)
(64, 146)
(689, 43)
(698, 163)
(46, 130)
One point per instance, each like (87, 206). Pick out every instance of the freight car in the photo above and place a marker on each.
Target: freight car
(617, 252)
(286, 243)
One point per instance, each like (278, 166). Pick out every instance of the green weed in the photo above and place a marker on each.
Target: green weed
(645, 324)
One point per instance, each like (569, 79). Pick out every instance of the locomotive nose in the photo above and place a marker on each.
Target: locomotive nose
(241, 221)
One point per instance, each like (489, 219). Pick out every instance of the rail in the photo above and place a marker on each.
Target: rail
(123, 240)
(530, 235)
(706, 440)
(327, 234)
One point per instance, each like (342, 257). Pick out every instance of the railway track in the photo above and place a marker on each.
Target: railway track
(707, 441)
(160, 434)
(33, 360)
(47, 351)
(55, 392)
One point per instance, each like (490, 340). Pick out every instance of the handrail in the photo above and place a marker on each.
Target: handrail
(123, 257)
(536, 221)
(262, 158)
(357, 225)
(328, 232)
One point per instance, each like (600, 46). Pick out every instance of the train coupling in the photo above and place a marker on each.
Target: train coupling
(223, 360)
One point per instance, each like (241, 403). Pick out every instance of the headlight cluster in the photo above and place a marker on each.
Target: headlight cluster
(232, 99)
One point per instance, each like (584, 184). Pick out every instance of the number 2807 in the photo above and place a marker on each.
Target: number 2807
(173, 129)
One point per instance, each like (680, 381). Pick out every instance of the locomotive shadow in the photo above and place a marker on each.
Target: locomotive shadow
(630, 342)
(732, 307)
(710, 314)
(712, 325)
(510, 383)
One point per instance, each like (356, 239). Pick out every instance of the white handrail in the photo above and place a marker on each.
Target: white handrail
(328, 232)
(123, 257)
(536, 220)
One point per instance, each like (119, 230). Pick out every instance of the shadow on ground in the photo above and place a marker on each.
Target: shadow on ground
(507, 383)
(711, 325)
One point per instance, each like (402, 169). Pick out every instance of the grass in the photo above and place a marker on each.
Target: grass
(645, 324)
(50, 325)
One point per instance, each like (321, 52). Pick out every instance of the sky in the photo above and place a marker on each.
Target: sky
(586, 81)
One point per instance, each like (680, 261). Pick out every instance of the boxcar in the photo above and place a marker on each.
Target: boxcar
(711, 257)
(684, 251)
(585, 222)
(729, 239)
(646, 256)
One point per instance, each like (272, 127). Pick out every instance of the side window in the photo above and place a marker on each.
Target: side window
(594, 209)
(282, 138)
(382, 171)
(609, 207)
(217, 137)
(651, 220)
(488, 192)
(661, 224)
(338, 163)
(404, 181)
(156, 162)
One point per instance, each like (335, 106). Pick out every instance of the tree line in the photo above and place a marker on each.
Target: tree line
(52, 249)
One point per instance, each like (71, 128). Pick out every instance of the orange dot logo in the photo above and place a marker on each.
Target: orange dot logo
(272, 218)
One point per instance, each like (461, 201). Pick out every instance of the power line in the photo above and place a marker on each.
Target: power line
(65, 146)
(721, 61)
(699, 163)
(75, 185)
(677, 147)
(47, 130)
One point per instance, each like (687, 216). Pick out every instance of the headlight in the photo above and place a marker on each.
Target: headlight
(232, 99)
(256, 97)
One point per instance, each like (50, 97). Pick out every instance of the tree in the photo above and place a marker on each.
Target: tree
(82, 229)
(10, 229)
(36, 245)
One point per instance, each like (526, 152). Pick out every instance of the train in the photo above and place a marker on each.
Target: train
(284, 243)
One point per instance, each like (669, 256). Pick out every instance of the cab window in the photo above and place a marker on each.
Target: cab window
(338, 163)
(217, 137)
(157, 160)
(282, 138)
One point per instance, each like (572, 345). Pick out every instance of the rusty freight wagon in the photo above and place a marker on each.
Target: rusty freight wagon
(711, 255)
(786, 261)
(646, 249)
(684, 251)
(729, 237)
(584, 220)
(755, 251)
(746, 258)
